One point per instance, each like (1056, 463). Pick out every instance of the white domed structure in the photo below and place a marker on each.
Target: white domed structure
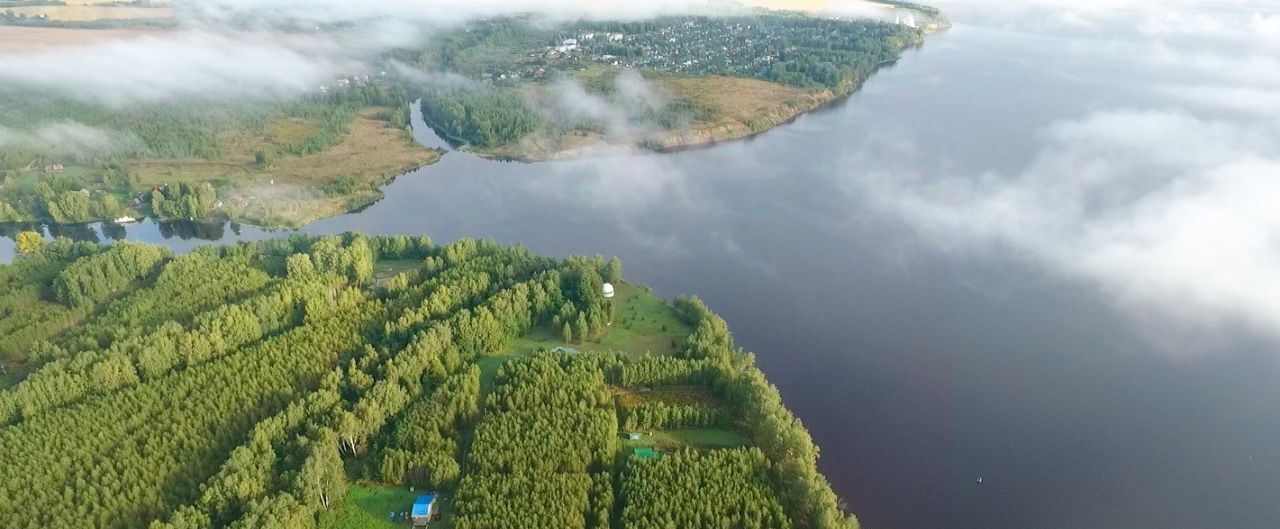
(608, 290)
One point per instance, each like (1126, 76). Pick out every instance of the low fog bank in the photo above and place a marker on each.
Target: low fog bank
(174, 67)
(1167, 203)
(230, 50)
(625, 111)
(435, 12)
(67, 139)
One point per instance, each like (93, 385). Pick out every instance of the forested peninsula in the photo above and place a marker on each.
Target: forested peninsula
(531, 92)
(332, 382)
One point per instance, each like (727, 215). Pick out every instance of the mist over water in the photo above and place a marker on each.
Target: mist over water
(964, 270)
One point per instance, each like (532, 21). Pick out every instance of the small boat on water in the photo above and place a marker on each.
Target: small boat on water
(125, 220)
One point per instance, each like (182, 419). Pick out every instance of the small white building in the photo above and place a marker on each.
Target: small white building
(608, 290)
(567, 45)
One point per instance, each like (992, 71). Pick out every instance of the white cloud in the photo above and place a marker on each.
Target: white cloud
(1240, 66)
(1257, 28)
(1254, 20)
(68, 138)
(234, 49)
(623, 116)
(1170, 205)
(437, 11)
(1171, 214)
(172, 67)
(1245, 100)
(621, 179)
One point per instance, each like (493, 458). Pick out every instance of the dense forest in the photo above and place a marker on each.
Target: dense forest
(260, 385)
(478, 116)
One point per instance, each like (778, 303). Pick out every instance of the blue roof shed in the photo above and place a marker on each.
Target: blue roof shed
(422, 507)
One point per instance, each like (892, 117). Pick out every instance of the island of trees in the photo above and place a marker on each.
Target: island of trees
(315, 382)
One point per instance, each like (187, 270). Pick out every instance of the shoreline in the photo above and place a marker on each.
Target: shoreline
(826, 100)
(355, 203)
(703, 136)
(677, 145)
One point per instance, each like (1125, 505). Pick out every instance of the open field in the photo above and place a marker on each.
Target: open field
(100, 2)
(670, 440)
(389, 268)
(737, 107)
(366, 507)
(821, 6)
(673, 395)
(286, 193)
(92, 12)
(739, 100)
(643, 323)
(731, 108)
(13, 374)
(15, 39)
(256, 170)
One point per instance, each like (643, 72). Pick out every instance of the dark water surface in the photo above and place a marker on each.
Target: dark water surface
(917, 370)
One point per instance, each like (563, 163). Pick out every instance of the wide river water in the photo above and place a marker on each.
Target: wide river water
(917, 368)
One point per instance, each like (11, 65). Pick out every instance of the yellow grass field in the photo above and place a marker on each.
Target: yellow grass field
(99, 2)
(736, 108)
(740, 100)
(286, 193)
(91, 12)
(815, 6)
(18, 40)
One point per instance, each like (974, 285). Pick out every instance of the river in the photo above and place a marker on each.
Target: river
(919, 368)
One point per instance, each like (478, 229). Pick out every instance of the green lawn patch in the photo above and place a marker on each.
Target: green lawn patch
(13, 374)
(671, 440)
(642, 322)
(389, 268)
(366, 507)
(686, 395)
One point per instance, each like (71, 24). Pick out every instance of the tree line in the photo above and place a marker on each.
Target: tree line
(548, 429)
(717, 489)
(476, 115)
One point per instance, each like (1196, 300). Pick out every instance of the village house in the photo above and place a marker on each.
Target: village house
(567, 46)
(423, 508)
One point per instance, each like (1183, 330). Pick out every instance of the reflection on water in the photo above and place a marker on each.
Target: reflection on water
(916, 369)
(208, 231)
